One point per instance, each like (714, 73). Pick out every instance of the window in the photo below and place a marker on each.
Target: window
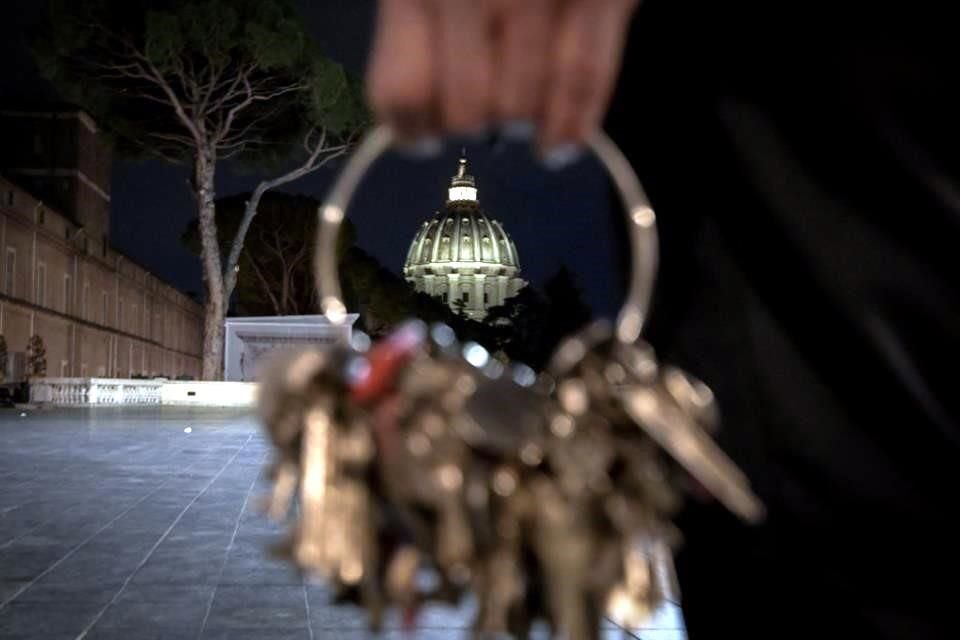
(120, 314)
(66, 232)
(64, 368)
(10, 272)
(465, 296)
(84, 309)
(41, 215)
(67, 293)
(106, 303)
(83, 370)
(41, 284)
(486, 297)
(133, 318)
(444, 297)
(103, 246)
(146, 318)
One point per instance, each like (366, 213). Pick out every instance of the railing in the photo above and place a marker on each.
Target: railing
(118, 392)
(95, 391)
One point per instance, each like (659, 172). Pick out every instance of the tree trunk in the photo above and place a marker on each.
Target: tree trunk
(236, 247)
(285, 289)
(204, 173)
(310, 165)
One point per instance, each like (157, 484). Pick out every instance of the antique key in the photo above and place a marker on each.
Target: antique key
(325, 450)
(545, 496)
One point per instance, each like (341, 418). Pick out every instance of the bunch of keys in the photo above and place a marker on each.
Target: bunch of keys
(541, 495)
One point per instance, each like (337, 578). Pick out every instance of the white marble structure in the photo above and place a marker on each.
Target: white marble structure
(247, 340)
(463, 257)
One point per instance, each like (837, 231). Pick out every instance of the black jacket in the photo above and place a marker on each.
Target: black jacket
(804, 162)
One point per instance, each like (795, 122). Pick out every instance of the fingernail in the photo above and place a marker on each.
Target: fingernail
(561, 156)
(518, 130)
(425, 147)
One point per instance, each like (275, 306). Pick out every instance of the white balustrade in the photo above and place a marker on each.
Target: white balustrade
(122, 392)
(94, 391)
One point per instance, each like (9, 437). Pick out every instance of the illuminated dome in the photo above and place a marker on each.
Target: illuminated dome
(462, 256)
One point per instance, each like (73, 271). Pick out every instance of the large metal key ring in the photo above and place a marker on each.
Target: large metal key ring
(676, 433)
(641, 225)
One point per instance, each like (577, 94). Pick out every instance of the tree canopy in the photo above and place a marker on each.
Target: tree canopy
(529, 326)
(276, 266)
(160, 73)
(276, 263)
(197, 82)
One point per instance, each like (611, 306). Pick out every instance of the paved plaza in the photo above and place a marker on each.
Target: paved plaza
(142, 524)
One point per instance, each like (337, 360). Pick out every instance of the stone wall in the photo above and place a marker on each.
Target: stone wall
(98, 314)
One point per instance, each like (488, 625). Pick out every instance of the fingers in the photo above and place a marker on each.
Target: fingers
(587, 46)
(401, 82)
(522, 59)
(431, 68)
(458, 66)
(465, 64)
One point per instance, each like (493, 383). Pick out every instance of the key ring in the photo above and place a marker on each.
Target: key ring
(641, 226)
(598, 442)
(685, 442)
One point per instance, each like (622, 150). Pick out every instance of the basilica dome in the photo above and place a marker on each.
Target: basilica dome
(462, 256)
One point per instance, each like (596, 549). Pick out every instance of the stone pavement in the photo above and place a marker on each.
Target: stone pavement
(116, 523)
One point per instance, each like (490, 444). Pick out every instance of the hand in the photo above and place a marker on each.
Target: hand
(462, 66)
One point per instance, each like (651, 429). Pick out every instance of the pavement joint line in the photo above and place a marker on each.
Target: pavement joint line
(20, 484)
(303, 583)
(146, 558)
(23, 535)
(93, 535)
(16, 539)
(306, 607)
(226, 554)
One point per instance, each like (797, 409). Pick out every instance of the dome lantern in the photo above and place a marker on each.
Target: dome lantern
(463, 186)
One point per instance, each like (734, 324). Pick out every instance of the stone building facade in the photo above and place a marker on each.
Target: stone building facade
(97, 312)
(463, 257)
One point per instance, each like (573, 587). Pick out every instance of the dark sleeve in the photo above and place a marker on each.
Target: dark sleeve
(804, 161)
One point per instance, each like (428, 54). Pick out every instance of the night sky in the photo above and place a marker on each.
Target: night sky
(554, 218)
